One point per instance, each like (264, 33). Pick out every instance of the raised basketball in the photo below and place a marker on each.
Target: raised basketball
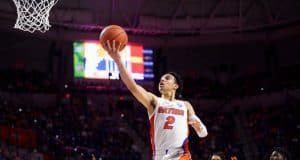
(113, 32)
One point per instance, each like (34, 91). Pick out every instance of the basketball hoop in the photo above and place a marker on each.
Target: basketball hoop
(33, 14)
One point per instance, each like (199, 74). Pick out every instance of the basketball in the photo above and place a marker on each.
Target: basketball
(113, 32)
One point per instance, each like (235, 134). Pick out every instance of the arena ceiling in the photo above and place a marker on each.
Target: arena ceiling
(171, 22)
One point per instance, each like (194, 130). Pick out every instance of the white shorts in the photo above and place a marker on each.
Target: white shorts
(171, 154)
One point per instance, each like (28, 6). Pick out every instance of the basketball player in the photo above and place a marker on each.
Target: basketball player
(169, 117)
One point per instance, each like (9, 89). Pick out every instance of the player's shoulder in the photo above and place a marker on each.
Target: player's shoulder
(185, 102)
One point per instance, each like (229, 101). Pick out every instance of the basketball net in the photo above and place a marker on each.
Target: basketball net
(33, 14)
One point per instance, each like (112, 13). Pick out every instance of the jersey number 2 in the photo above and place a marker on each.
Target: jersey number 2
(169, 121)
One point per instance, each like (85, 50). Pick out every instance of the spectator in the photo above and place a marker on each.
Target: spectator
(279, 153)
(217, 156)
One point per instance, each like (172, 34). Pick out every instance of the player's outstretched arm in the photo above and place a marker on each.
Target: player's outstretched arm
(143, 96)
(195, 121)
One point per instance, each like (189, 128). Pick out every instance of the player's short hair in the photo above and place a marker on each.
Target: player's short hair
(179, 82)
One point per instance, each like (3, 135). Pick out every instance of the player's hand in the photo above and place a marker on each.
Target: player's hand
(113, 49)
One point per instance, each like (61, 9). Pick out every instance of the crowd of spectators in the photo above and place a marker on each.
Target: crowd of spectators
(64, 131)
(275, 126)
(223, 84)
(222, 136)
(241, 86)
(75, 128)
(11, 152)
(26, 81)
